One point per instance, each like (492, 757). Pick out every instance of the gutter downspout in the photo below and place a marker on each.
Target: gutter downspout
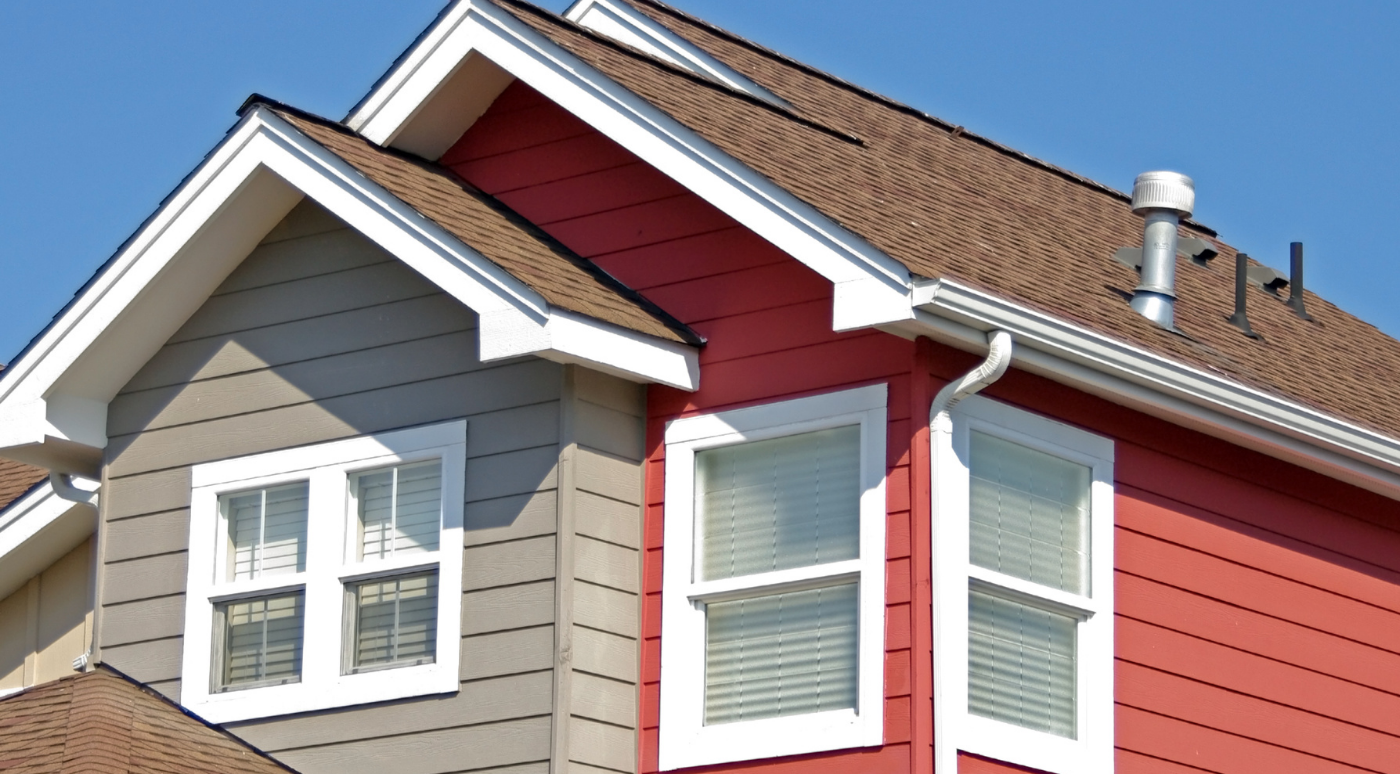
(940, 441)
(974, 381)
(62, 484)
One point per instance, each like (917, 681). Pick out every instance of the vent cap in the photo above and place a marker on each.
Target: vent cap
(1164, 191)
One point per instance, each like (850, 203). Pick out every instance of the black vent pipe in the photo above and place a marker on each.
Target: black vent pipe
(1295, 280)
(1240, 319)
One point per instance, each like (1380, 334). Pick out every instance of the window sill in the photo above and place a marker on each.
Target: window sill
(345, 691)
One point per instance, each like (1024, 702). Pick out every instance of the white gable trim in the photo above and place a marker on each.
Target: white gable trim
(871, 287)
(59, 390)
(37, 530)
(625, 24)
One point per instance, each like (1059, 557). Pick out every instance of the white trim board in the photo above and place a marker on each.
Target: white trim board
(959, 315)
(871, 287)
(59, 390)
(331, 566)
(35, 531)
(625, 24)
(954, 575)
(686, 740)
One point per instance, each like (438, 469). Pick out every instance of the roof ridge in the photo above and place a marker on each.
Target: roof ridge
(902, 107)
(530, 7)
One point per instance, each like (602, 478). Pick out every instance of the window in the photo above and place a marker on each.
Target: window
(773, 589)
(326, 576)
(1023, 573)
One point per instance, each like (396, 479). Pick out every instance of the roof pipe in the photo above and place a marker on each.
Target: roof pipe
(1163, 199)
(64, 489)
(999, 345)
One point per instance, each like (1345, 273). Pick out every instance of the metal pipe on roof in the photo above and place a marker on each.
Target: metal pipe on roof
(1240, 319)
(1295, 280)
(1163, 199)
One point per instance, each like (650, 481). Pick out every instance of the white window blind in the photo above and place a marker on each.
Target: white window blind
(784, 654)
(400, 509)
(1021, 664)
(266, 531)
(261, 641)
(773, 505)
(779, 504)
(395, 621)
(1030, 514)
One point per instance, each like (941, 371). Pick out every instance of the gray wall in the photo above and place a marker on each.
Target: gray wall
(320, 335)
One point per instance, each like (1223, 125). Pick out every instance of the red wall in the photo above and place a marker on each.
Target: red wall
(1258, 605)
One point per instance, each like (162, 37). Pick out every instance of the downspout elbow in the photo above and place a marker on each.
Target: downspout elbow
(63, 487)
(999, 346)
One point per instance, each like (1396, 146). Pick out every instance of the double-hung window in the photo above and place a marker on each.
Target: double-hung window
(1023, 603)
(773, 580)
(325, 576)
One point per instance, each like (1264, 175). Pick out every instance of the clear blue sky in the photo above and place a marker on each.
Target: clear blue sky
(1284, 113)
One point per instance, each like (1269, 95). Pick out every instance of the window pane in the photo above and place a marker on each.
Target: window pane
(261, 641)
(1030, 514)
(785, 654)
(1021, 665)
(400, 509)
(395, 622)
(778, 504)
(266, 531)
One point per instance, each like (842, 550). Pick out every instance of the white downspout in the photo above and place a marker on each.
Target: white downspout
(999, 345)
(63, 487)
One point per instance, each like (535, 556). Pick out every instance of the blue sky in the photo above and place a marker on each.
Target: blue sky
(1284, 113)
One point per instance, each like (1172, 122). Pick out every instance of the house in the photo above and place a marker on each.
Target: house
(780, 426)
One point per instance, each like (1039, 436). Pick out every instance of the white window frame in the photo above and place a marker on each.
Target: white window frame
(685, 740)
(957, 730)
(331, 564)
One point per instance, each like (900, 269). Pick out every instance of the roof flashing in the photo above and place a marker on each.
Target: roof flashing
(624, 24)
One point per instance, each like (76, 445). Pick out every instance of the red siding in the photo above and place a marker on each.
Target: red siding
(1258, 605)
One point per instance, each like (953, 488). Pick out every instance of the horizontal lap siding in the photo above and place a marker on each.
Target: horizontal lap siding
(1258, 609)
(768, 324)
(319, 335)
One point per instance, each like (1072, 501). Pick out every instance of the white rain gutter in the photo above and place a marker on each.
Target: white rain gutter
(1050, 346)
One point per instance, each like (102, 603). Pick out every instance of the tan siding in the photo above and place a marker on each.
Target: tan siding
(510, 518)
(606, 654)
(47, 622)
(611, 431)
(156, 533)
(507, 653)
(610, 476)
(609, 701)
(605, 564)
(521, 696)
(602, 745)
(512, 607)
(317, 336)
(609, 610)
(431, 752)
(280, 345)
(609, 520)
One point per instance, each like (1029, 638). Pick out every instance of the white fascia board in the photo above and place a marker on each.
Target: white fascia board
(1062, 351)
(625, 24)
(36, 531)
(266, 165)
(873, 288)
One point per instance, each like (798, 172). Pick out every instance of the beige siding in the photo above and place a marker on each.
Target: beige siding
(47, 622)
(604, 588)
(319, 335)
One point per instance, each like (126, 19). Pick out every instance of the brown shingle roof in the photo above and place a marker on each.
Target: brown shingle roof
(520, 248)
(949, 204)
(101, 722)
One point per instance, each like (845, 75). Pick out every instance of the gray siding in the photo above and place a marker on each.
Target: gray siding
(320, 335)
(596, 722)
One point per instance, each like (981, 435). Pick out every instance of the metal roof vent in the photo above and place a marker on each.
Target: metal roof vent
(1163, 199)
